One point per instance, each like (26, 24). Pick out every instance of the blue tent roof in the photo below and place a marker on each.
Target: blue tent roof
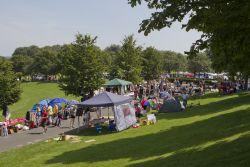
(42, 103)
(106, 99)
(57, 101)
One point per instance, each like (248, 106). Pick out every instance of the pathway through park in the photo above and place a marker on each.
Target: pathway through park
(32, 136)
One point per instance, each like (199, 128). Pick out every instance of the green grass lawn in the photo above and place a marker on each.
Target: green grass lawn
(33, 92)
(214, 134)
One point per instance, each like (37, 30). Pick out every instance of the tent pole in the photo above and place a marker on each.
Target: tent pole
(108, 113)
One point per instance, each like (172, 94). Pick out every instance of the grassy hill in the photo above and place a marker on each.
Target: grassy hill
(33, 92)
(215, 133)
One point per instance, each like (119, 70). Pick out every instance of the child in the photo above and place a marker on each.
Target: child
(4, 130)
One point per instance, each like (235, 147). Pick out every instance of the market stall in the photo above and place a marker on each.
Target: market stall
(122, 108)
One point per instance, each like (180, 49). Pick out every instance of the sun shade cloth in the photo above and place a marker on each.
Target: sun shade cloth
(118, 82)
(106, 99)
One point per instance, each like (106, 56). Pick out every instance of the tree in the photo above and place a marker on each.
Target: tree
(129, 60)
(26, 51)
(21, 63)
(224, 25)
(174, 61)
(111, 60)
(45, 62)
(199, 63)
(34, 60)
(9, 86)
(152, 64)
(82, 68)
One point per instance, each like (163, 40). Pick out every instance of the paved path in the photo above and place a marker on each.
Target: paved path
(32, 136)
(35, 135)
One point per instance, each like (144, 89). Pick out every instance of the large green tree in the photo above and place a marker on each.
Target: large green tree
(45, 62)
(129, 60)
(82, 67)
(199, 63)
(225, 27)
(9, 86)
(34, 60)
(21, 63)
(173, 61)
(152, 64)
(113, 69)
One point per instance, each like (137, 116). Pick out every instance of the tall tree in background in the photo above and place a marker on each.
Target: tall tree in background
(82, 68)
(21, 63)
(199, 63)
(33, 60)
(173, 61)
(9, 86)
(112, 52)
(26, 51)
(152, 64)
(44, 63)
(129, 60)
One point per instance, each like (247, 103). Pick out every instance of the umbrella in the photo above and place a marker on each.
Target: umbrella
(57, 101)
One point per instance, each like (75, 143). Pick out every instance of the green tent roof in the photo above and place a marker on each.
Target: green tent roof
(117, 82)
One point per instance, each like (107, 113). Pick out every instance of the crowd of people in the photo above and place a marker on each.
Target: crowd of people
(231, 87)
(154, 95)
(150, 95)
(54, 114)
(175, 88)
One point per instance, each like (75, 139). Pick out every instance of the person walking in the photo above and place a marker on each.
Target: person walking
(79, 113)
(72, 116)
(38, 115)
(44, 121)
(50, 113)
(185, 99)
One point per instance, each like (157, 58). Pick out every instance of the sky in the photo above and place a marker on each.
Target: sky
(50, 22)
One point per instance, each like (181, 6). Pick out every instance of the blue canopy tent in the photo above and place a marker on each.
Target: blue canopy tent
(42, 103)
(57, 101)
(124, 112)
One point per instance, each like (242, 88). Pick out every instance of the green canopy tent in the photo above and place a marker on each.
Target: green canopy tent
(118, 83)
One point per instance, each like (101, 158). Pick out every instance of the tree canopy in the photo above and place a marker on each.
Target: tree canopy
(199, 63)
(173, 61)
(225, 27)
(152, 64)
(9, 86)
(129, 60)
(34, 60)
(82, 68)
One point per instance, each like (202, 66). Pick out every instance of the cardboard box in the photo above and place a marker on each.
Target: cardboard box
(10, 131)
(16, 130)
